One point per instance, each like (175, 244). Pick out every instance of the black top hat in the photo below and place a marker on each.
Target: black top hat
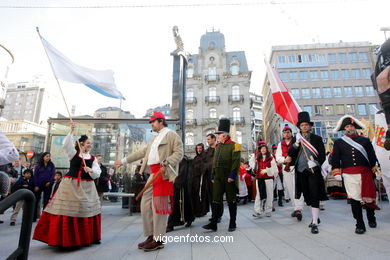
(224, 126)
(304, 117)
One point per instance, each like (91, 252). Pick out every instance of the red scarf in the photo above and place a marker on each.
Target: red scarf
(285, 147)
(368, 188)
(162, 193)
(263, 164)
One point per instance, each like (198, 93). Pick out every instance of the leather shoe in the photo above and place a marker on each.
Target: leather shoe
(188, 224)
(218, 221)
(372, 224)
(360, 231)
(154, 245)
(311, 224)
(210, 226)
(147, 241)
(12, 224)
(169, 229)
(314, 229)
(232, 228)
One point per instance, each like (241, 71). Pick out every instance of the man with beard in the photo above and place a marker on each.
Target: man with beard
(226, 164)
(354, 158)
(197, 182)
(308, 152)
(289, 172)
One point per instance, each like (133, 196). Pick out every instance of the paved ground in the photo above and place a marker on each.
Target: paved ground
(278, 237)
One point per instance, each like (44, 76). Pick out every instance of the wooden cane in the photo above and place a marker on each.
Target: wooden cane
(149, 183)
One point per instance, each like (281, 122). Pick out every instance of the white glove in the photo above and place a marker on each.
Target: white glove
(311, 164)
(264, 171)
(338, 177)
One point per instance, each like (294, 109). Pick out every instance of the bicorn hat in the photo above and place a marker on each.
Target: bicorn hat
(348, 120)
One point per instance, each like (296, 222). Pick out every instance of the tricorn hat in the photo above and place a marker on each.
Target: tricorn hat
(348, 120)
(304, 117)
(223, 126)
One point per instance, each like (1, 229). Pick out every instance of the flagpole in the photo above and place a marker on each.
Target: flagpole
(289, 112)
(62, 94)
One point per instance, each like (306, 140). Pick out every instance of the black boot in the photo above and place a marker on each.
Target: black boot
(233, 215)
(280, 198)
(215, 215)
(371, 218)
(357, 213)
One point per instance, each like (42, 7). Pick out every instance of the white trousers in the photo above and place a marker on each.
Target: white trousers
(278, 183)
(264, 205)
(289, 187)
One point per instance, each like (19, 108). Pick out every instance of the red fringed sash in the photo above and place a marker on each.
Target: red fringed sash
(162, 193)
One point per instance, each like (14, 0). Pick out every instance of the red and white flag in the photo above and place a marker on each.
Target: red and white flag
(285, 104)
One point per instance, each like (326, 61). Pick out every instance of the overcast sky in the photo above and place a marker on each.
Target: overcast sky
(135, 42)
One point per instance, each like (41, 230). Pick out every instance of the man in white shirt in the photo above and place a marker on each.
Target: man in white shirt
(164, 153)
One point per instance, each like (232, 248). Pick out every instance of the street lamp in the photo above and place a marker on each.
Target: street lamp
(384, 30)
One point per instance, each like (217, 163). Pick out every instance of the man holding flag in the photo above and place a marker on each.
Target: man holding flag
(308, 153)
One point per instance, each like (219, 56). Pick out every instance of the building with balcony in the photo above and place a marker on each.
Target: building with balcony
(327, 80)
(256, 117)
(217, 86)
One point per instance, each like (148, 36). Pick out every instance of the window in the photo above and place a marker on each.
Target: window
(305, 93)
(295, 93)
(212, 73)
(370, 91)
(340, 110)
(363, 57)
(324, 74)
(353, 57)
(321, 57)
(335, 74)
(236, 113)
(190, 73)
(283, 76)
(359, 91)
(190, 138)
(318, 110)
(236, 90)
(291, 59)
(213, 92)
(362, 109)
(350, 109)
(345, 74)
(366, 73)
(332, 58)
(190, 94)
(314, 75)
(234, 70)
(326, 92)
(303, 75)
(311, 58)
(329, 110)
(337, 92)
(372, 109)
(355, 73)
(190, 114)
(293, 76)
(308, 109)
(213, 113)
(348, 91)
(342, 58)
(316, 92)
(239, 137)
(281, 59)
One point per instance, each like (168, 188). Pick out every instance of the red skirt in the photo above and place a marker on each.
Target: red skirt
(64, 231)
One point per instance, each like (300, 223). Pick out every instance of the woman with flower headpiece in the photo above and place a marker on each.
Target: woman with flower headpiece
(72, 217)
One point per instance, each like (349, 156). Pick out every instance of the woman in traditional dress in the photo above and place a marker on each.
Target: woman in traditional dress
(72, 217)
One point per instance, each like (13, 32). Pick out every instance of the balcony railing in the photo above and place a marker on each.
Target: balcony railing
(191, 122)
(212, 99)
(211, 78)
(207, 121)
(237, 120)
(236, 98)
(191, 100)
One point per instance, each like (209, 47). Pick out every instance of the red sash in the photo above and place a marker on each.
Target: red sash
(162, 192)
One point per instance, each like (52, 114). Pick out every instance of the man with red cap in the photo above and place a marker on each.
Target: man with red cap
(289, 172)
(354, 158)
(164, 152)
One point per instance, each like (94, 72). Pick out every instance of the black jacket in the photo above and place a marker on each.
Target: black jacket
(22, 181)
(102, 182)
(344, 155)
(317, 142)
